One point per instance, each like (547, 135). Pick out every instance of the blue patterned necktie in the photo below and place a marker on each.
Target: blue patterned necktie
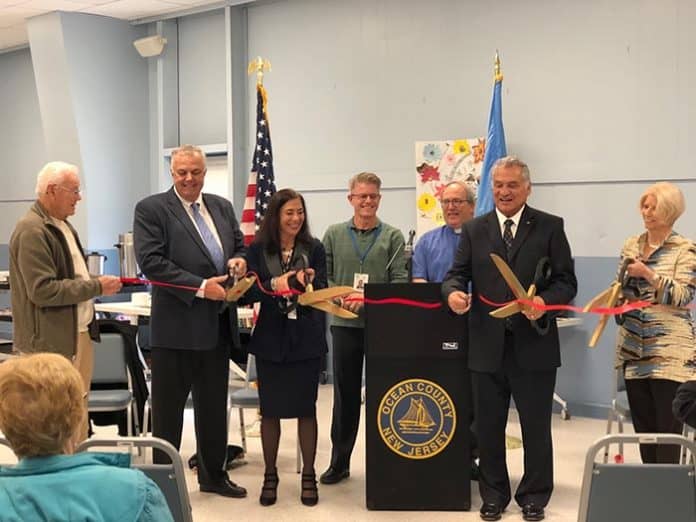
(507, 233)
(208, 239)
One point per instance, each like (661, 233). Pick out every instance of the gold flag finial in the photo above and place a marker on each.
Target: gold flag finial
(498, 76)
(259, 66)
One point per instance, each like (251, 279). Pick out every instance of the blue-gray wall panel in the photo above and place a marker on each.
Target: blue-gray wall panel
(21, 135)
(202, 73)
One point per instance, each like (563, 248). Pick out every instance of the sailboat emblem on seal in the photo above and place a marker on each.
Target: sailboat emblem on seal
(416, 418)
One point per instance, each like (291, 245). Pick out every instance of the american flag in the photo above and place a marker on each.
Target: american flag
(261, 179)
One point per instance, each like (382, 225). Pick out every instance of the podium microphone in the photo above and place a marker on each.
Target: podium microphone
(408, 253)
(408, 250)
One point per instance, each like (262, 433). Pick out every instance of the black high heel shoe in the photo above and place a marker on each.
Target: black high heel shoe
(310, 494)
(269, 491)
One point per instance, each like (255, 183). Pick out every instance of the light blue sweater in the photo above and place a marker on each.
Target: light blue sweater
(81, 487)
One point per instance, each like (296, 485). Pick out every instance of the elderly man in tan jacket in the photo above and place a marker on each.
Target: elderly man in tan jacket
(51, 288)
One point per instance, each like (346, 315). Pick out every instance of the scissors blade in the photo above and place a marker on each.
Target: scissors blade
(510, 277)
(240, 288)
(599, 298)
(506, 311)
(333, 309)
(310, 297)
(610, 302)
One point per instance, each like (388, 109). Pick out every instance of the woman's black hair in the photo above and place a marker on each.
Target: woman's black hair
(269, 230)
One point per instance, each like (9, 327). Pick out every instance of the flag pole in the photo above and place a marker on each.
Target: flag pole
(495, 142)
(261, 184)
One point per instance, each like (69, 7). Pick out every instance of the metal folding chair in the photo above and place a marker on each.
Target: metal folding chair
(169, 477)
(110, 368)
(638, 492)
(247, 397)
(619, 411)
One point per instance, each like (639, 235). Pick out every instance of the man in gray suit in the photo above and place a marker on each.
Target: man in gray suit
(189, 239)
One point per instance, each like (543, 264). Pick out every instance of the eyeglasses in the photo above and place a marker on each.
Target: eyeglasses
(365, 197)
(74, 192)
(454, 202)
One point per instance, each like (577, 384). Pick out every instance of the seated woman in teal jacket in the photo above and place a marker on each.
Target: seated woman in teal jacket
(288, 339)
(41, 412)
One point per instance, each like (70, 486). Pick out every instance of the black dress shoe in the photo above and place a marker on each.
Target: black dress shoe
(226, 488)
(491, 511)
(334, 476)
(532, 512)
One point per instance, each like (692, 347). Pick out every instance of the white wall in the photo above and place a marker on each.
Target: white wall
(595, 94)
(21, 138)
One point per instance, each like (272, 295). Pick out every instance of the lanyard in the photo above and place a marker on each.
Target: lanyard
(363, 255)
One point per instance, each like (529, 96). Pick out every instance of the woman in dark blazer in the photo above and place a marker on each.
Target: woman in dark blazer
(288, 340)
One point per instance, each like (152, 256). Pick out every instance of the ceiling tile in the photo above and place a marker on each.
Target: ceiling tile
(55, 5)
(13, 36)
(16, 15)
(130, 9)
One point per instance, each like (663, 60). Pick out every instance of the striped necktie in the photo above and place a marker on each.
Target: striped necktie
(507, 233)
(209, 239)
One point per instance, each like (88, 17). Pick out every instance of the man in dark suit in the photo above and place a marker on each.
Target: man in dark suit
(183, 237)
(510, 356)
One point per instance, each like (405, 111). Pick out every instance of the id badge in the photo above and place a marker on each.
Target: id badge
(360, 280)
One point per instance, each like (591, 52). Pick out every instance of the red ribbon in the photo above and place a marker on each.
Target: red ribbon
(394, 300)
(617, 310)
(137, 281)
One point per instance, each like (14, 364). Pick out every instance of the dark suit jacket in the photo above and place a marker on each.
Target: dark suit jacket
(169, 249)
(538, 235)
(276, 337)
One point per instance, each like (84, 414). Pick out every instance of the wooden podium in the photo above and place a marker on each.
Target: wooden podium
(418, 403)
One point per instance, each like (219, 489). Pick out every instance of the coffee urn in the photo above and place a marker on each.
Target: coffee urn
(126, 256)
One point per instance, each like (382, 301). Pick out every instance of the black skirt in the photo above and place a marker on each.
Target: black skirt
(288, 390)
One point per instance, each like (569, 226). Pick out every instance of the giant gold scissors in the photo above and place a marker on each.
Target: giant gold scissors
(517, 290)
(322, 300)
(608, 299)
(236, 288)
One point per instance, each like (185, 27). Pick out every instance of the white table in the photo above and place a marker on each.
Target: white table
(136, 310)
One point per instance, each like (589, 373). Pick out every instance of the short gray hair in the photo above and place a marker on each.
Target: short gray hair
(511, 161)
(365, 177)
(187, 150)
(470, 193)
(53, 173)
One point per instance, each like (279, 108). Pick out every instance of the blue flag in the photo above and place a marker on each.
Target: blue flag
(495, 149)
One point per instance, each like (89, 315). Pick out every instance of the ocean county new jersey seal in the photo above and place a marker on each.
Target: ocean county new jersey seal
(416, 418)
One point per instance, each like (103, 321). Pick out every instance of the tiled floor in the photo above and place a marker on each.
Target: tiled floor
(346, 501)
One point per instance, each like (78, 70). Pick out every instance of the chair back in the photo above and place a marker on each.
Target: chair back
(637, 492)
(620, 381)
(251, 374)
(110, 360)
(169, 478)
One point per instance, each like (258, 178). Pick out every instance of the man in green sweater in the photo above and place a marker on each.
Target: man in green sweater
(358, 251)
